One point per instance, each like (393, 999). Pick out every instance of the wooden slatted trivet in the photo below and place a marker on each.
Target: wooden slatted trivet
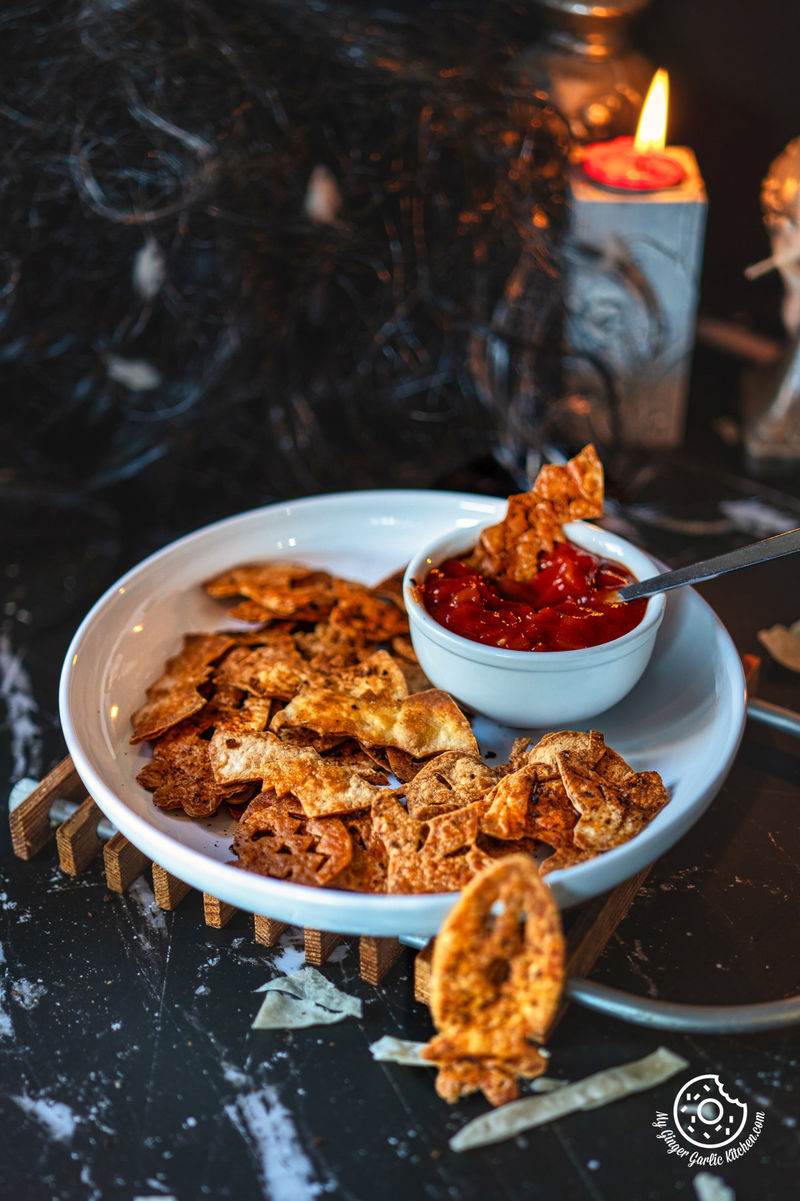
(79, 841)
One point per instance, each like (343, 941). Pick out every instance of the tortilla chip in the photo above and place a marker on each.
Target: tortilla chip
(321, 787)
(436, 856)
(180, 775)
(423, 724)
(497, 977)
(402, 765)
(278, 671)
(275, 838)
(448, 781)
(458, 1078)
(589, 746)
(371, 618)
(349, 754)
(174, 695)
(367, 870)
(391, 587)
(610, 813)
(565, 855)
(281, 588)
(534, 520)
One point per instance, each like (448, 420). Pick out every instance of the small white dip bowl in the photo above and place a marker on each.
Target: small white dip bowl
(532, 689)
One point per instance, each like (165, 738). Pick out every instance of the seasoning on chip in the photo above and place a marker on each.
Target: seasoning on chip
(174, 695)
(279, 588)
(322, 787)
(497, 974)
(422, 724)
(533, 522)
(275, 838)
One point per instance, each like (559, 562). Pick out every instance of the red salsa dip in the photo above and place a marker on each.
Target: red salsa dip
(569, 604)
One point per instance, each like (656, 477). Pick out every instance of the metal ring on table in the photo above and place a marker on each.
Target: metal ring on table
(668, 1015)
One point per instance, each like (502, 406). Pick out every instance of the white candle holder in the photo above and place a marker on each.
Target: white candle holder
(633, 272)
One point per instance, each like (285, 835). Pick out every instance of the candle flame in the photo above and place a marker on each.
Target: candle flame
(651, 132)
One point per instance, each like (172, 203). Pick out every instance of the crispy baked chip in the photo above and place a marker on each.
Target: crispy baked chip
(458, 1078)
(533, 521)
(423, 724)
(610, 812)
(280, 671)
(447, 782)
(174, 695)
(180, 775)
(435, 856)
(588, 745)
(358, 610)
(281, 588)
(320, 787)
(497, 973)
(367, 870)
(275, 838)
(508, 804)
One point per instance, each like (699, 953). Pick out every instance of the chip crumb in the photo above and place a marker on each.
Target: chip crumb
(304, 999)
(783, 644)
(399, 1050)
(708, 1187)
(589, 1093)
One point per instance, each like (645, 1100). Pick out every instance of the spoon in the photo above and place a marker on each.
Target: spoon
(743, 556)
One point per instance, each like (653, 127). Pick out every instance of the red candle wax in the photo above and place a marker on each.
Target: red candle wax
(618, 164)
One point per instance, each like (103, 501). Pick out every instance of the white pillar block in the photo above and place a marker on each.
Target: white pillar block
(633, 276)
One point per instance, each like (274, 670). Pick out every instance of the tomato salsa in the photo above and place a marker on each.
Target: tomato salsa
(569, 604)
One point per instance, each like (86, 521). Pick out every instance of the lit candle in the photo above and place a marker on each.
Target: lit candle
(638, 164)
(633, 263)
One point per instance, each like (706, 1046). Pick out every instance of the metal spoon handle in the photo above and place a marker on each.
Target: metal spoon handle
(744, 556)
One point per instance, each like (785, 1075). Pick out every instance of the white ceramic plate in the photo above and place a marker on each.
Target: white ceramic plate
(684, 719)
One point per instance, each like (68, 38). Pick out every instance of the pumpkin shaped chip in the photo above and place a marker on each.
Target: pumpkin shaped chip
(275, 838)
(497, 975)
(174, 695)
(439, 855)
(611, 811)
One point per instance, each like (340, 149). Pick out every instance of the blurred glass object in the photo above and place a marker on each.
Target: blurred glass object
(587, 68)
(772, 397)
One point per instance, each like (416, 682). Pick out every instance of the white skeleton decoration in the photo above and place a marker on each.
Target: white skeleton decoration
(772, 434)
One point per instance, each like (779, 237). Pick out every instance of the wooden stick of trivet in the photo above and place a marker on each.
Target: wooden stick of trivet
(216, 913)
(267, 930)
(30, 820)
(319, 944)
(123, 863)
(376, 956)
(77, 839)
(168, 889)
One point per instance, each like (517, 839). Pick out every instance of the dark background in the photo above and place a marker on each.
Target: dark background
(139, 1021)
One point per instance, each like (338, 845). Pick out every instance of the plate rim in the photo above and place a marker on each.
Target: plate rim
(419, 913)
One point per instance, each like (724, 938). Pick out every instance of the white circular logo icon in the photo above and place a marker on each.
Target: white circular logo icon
(706, 1115)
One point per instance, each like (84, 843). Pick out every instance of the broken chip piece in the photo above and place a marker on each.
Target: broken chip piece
(600, 1089)
(497, 974)
(534, 520)
(305, 998)
(174, 695)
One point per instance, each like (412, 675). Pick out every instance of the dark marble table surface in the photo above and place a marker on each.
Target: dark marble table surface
(128, 1066)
